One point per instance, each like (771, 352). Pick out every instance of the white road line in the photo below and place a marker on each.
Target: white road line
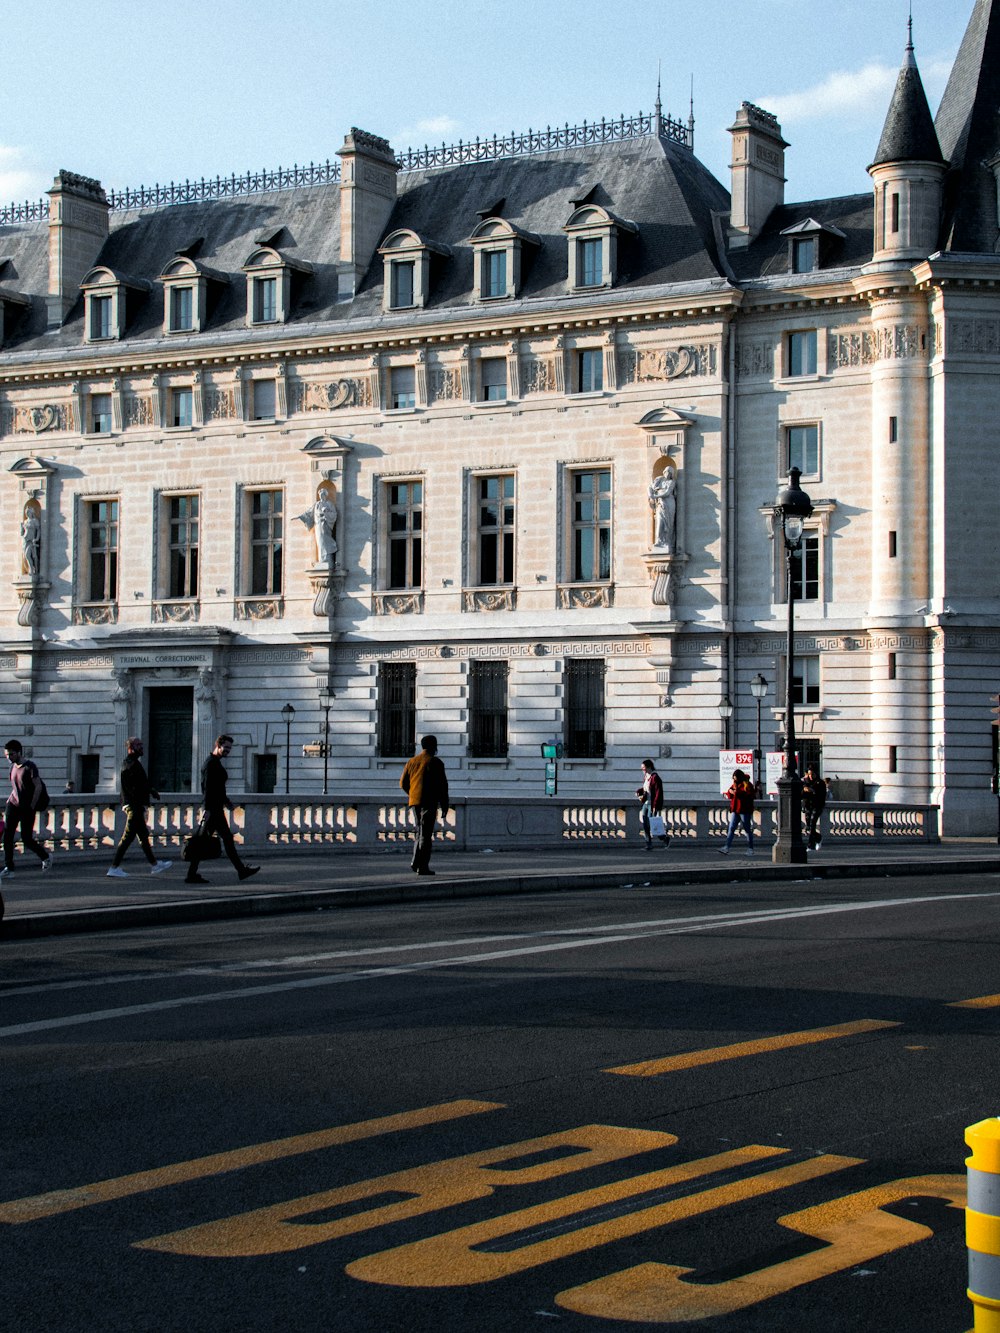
(582, 940)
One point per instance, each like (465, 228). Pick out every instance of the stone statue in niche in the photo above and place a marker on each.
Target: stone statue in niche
(324, 522)
(31, 536)
(663, 502)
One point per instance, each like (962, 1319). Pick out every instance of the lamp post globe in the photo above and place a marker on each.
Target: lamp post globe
(725, 712)
(792, 507)
(758, 688)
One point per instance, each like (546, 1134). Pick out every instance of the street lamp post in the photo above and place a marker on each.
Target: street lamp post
(725, 712)
(758, 688)
(288, 712)
(792, 506)
(325, 699)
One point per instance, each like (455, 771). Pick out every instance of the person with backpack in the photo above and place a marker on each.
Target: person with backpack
(651, 809)
(813, 804)
(740, 796)
(28, 796)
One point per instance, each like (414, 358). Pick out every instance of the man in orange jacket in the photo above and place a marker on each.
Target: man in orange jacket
(426, 785)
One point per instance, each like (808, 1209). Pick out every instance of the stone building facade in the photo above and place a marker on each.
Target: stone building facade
(485, 442)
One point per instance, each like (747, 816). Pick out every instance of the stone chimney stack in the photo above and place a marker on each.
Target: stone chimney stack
(79, 221)
(367, 195)
(758, 172)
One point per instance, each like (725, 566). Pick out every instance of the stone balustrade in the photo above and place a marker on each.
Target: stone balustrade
(82, 823)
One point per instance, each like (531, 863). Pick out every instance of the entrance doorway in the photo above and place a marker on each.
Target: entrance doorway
(170, 737)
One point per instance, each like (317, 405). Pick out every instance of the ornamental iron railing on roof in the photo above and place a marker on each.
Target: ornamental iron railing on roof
(411, 159)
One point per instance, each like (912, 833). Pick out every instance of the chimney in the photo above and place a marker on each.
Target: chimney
(367, 195)
(758, 172)
(78, 227)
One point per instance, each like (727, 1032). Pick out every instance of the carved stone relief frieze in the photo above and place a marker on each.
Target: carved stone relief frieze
(328, 396)
(445, 384)
(104, 614)
(397, 603)
(578, 597)
(259, 608)
(755, 359)
(39, 418)
(863, 347)
(538, 375)
(174, 613)
(220, 403)
(489, 599)
(137, 410)
(652, 364)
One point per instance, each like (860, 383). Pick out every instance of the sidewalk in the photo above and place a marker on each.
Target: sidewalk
(76, 895)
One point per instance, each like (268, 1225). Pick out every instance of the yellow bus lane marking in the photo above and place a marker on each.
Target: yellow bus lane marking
(452, 1260)
(294, 1225)
(980, 1002)
(740, 1050)
(854, 1230)
(103, 1191)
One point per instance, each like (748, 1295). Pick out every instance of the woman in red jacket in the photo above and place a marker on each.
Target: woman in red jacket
(651, 796)
(740, 796)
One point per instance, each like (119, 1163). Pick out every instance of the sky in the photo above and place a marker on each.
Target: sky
(140, 92)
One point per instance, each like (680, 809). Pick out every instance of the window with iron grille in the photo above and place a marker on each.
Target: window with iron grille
(583, 686)
(488, 709)
(397, 708)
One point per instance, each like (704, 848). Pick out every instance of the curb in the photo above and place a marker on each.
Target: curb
(282, 902)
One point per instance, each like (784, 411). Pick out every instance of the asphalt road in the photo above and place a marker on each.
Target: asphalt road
(737, 1107)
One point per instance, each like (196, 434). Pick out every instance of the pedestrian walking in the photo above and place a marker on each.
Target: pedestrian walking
(651, 808)
(216, 802)
(136, 796)
(426, 785)
(27, 797)
(740, 796)
(813, 804)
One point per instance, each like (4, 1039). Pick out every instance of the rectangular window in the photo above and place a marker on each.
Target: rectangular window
(181, 309)
(591, 526)
(802, 447)
(405, 540)
(590, 370)
(583, 684)
(402, 387)
(401, 292)
(265, 300)
(893, 429)
(265, 396)
(102, 550)
(495, 535)
(892, 546)
(589, 263)
(266, 543)
(804, 254)
(488, 709)
(494, 273)
(493, 379)
(397, 708)
(100, 413)
(181, 407)
(100, 317)
(893, 759)
(183, 521)
(805, 569)
(805, 682)
(265, 773)
(802, 353)
(892, 666)
(894, 223)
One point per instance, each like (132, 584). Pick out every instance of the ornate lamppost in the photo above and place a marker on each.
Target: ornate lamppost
(725, 712)
(325, 700)
(792, 506)
(288, 712)
(758, 688)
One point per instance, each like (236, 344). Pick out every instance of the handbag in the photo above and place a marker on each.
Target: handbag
(657, 828)
(202, 846)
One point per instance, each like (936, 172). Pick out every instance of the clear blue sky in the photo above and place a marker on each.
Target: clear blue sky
(135, 92)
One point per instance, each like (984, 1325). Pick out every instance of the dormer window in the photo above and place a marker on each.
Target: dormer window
(190, 290)
(406, 276)
(810, 244)
(593, 234)
(12, 304)
(271, 282)
(109, 300)
(501, 252)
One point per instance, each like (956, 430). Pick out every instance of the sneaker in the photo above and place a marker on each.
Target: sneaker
(749, 851)
(6, 874)
(647, 846)
(116, 872)
(196, 879)
(426, 872)
(723, 851)
(47, 863)
(247, 871)
(159, 866)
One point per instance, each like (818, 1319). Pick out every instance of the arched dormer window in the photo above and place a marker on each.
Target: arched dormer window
(109, 298)
(270, 282)
(593, 234)
(499, 249)
(406, 259)
(189, 289)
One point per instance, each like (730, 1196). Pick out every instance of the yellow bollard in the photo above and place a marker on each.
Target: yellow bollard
(982, 1223)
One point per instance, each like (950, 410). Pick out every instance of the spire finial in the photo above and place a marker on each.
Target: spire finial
(691, 117)
(658, 109)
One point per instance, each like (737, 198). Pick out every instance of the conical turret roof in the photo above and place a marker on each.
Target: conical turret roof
(908, 134)
(968, 126)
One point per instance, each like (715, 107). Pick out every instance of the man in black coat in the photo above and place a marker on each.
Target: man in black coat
(136, 796)
(216, 802)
